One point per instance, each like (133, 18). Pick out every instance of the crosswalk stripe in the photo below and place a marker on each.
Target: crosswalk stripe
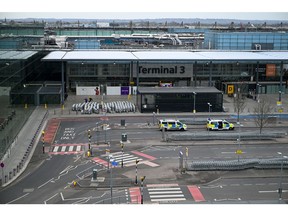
(55, 149)
(71, 148)
(63, 148)
(78, 148)
(162, 185)
(165, 192)
(170, 195)
(173, 199)
(159, 189)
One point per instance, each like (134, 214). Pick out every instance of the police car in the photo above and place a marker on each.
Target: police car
(171, 124)
(219, 125)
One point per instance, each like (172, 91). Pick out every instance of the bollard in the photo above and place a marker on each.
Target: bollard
(10, 175)
(6, 179)
(18, 168)
(14, 172)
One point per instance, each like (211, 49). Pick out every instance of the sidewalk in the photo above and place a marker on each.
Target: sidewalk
(20, 152)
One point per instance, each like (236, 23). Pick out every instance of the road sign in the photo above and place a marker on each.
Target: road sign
(2, 165)
(114, 163)
(239, 151)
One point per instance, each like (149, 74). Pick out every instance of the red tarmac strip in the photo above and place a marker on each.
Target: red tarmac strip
(196, 193)
(144, 155)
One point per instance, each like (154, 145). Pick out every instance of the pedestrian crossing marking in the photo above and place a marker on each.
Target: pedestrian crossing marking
(55, 149)
(165, 192)
(64, 149)
(170, 195)
(168, 199)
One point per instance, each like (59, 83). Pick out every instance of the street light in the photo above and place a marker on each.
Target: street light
(136, 182)
(89, 138)
(194, 108)
(281, 175)
(239, 141)
(209, 107)
(142, 180)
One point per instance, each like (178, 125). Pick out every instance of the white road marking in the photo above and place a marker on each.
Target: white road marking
(71, 148)
(18, 198)
(78, 148)
(163, 200)
(45, 202)
(45, 183)
(55, 148)
(63, 148)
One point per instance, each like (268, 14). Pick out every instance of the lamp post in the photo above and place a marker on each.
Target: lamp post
(136, 182)
(239, 141)
(89, 138)
(43, 142)
(258, 94)
(281, 175)
(209, 107)
(142, 181)
(194, 107)
(280, 96)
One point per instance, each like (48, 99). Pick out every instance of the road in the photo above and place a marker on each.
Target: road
(50, 181)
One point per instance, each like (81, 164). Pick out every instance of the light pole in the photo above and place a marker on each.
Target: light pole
(136, 182)
(111, 188)
(142, 180)
(43, 141)
(281, 175)
(194, 107)
(258, 94)
(280, 95)
(209, 108)
(89, 138)
(239, 141)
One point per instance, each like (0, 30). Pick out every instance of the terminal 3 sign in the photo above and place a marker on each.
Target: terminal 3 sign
(165, 70)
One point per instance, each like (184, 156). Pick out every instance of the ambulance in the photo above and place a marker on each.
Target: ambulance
(219, 125)
(171, 124)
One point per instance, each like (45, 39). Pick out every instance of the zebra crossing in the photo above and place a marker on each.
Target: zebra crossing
(128, 159)
(64, 149)
(165, 193)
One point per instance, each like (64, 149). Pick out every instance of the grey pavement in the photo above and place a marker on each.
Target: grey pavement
(19, 154)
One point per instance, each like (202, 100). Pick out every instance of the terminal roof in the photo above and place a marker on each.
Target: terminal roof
(166, 55)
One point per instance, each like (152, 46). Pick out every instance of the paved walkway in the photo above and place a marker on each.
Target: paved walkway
(21, 151)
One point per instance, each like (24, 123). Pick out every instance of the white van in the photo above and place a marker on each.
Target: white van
(171, 124)
(219, 125)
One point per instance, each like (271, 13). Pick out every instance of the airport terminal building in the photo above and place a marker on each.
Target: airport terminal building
(256, 71)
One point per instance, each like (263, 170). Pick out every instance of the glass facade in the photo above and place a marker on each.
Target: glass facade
(246, 40)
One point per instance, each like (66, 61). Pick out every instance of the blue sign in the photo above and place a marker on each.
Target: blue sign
(114, 163)
(124, 90)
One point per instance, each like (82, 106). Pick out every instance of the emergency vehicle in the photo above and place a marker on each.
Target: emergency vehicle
(171, 124)
(219, 125)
